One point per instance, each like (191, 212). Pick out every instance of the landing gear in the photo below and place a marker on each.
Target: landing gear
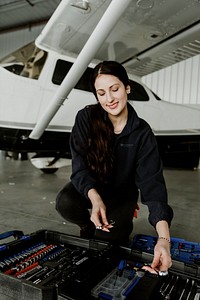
(49, 171)
(49, 163)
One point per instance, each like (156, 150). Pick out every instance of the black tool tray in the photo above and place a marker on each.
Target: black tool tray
(49, 265)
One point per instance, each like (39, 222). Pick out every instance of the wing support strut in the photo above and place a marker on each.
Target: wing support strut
(100, 33)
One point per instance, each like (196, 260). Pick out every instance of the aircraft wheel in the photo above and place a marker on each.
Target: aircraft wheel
(49, 170)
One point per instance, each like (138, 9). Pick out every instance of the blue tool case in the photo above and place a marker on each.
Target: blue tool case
(181, 250)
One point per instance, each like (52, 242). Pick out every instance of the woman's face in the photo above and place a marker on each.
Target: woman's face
(111, 93)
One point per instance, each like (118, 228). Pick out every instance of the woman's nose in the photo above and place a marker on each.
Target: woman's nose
(109, 97)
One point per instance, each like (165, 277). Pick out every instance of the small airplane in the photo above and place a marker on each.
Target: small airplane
(45, 83)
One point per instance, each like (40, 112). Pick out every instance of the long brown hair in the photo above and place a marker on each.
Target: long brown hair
(99, 152)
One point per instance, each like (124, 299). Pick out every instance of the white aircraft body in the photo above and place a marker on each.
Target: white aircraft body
(44, 84)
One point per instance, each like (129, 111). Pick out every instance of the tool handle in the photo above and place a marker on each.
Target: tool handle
(15, 233)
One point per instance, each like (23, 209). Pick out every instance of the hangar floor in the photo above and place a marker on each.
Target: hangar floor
(27, 201)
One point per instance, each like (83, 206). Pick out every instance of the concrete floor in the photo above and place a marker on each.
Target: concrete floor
(27, 201)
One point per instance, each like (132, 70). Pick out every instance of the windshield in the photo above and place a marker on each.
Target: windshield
(27, 61)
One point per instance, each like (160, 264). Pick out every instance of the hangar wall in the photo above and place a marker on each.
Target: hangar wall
(179, 83)
(13, 40)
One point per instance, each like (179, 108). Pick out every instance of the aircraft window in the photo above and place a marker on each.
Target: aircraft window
(34, 64)
(156, 96)
(61, 70)
(27, 61)
(15, 68)
(138, 93)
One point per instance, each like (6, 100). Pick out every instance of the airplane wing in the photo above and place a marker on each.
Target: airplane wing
(149, 35)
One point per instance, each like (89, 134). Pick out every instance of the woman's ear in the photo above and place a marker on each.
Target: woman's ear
(128, 89)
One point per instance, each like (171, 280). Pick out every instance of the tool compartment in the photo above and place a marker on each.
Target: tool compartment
(53, 265)
(34, 266)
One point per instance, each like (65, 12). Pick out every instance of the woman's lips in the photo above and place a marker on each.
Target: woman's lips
(113, 105)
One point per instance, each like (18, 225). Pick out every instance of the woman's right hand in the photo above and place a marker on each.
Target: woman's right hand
(98, 214)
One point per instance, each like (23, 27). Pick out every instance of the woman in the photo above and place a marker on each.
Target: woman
(114, 156)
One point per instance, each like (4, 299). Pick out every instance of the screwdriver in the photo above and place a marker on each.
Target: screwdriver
(120, 269)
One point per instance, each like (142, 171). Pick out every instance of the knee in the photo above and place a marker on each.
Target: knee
(63, 200)
(59, 201)
(71, 205)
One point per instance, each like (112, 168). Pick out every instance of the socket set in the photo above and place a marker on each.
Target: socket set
(48, 265)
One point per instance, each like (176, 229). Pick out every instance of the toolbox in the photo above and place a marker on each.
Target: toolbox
(49, 265)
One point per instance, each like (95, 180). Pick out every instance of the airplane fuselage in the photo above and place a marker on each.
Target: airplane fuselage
(26, 92)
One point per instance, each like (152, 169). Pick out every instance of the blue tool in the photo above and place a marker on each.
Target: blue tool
(122, 265)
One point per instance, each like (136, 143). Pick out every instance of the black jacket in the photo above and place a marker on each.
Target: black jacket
(137, 166)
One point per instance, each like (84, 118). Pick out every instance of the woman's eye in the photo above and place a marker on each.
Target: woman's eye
(115, 88)
(101, 94)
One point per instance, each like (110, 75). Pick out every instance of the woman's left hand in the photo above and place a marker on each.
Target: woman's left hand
(162, 258)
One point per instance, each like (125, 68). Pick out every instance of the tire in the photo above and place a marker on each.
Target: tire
(49, 170)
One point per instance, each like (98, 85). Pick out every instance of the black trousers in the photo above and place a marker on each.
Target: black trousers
(73, 207)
